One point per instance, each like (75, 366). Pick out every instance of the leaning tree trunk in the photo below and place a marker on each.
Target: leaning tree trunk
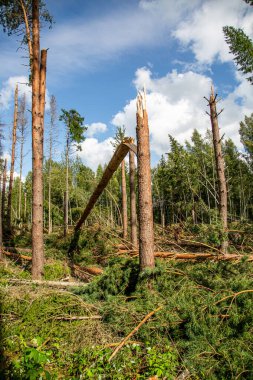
(133, 215)
(3, 190)
(38, 106)
(124, 199)
(220, 169)
(146, 228)
(14, 139)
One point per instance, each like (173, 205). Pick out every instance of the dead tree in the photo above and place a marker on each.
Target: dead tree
(220, 168)
(22, 123)
(3, 190)
(52, 128)
(124, 199)
(146, 228)
(14, 139)
(1, 220)
(133, 215)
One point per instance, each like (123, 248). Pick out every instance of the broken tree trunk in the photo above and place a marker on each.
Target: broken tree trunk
(117, 158)
(133, 215)
(220, 168)
(146, 228)
(14, 139)
(124, 198)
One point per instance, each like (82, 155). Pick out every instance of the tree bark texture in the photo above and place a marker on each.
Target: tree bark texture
(113, 165)
(124, 198)
(146, 228)
(66, 194)
(14, 140)
(3, 190)
(133, 214)
(38, 104)
(220, 168)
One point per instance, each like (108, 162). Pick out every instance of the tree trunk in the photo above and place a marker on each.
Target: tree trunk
(1, 221)
(52, 125)
(38, 106)
(133, 215)
(66, 194)
(14, 139)
(146, 228)
(3, 190)
(20, 180)
(220, 169)
(124, 199)
(118, 156)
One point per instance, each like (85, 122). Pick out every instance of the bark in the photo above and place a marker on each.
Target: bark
(124, 199)
(66, 194)
(52, 125)
(22, 126)
(146, 228)
(118, 156)
(220, 168)
(38, 104)
(1, 221)
(3, 190)
(14, 140)
(133, 215)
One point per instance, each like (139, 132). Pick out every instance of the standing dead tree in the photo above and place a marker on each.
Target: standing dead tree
(146, 228)
(4, 190)
(13, 148)
(53, 117)
(220, 168)
(22, 124)
(133, 214)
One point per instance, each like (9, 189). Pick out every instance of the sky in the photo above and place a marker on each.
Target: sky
(102, 52)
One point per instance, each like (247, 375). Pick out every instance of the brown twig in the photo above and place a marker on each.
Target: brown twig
(123, 342)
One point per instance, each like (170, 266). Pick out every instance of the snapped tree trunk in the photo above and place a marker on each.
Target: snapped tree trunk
(124, 199)
(14, 139)
(220, 169)
(3, 190)
(146, 228)
(38, 106)
(133, 215)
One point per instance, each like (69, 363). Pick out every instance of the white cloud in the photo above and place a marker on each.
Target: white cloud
(94, 152)
(176, 106)
(202, 30)
(95, 128)
(8, 89)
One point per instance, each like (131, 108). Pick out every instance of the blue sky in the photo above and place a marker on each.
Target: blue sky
(101, 52)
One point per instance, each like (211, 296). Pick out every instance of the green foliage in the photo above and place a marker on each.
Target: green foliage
(241, 47)
(140, 361)
(246, 134)
(203, 312)
(12, 17)
(75, 128)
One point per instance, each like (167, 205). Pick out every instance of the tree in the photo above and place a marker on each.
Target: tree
(241, 46)
(119, 138)
(146, 228)
(220, 168)
(13, 148)
(23, 17)
(246, 134)
(22, 125)
(133, 214)
(74, 135)
(53, 117)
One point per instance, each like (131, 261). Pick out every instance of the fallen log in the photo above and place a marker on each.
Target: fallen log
(91, 270)
(192, 256)
(17, 255)
(58, 284)
(78, 318)
(16, 249)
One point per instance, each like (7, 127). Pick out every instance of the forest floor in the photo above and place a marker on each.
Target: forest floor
(198, 314)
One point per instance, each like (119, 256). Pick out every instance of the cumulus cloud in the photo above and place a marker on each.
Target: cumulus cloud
(202, 30)
(176, 106)
(94, 152)
(95, 128)
(8, 89)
